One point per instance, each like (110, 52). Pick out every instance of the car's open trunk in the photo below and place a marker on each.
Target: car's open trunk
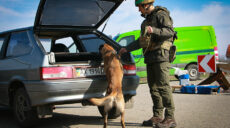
(70, 57)
(93, 57)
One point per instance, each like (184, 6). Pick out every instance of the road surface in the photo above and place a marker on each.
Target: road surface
(192, 111)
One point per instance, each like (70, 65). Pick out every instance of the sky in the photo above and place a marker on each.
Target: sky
(21, 13)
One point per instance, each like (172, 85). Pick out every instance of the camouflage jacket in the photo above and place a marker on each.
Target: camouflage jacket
(162, 25)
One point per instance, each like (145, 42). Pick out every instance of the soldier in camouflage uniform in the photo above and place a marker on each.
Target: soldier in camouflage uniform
(156, 39)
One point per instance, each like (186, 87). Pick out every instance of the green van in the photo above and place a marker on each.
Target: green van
(192, 41)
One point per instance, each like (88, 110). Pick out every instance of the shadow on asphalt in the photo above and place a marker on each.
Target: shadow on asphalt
(59, 120)
(7, 118)
(60, 107)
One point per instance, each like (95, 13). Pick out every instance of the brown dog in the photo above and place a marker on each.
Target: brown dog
(114, 73)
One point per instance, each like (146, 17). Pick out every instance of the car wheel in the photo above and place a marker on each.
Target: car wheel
(193, 72)
(25, 115)
(113, 114)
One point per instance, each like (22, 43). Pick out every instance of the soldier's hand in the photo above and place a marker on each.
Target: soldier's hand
(149, 29)
(122, 50)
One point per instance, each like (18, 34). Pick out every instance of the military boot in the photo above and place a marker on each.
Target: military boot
(152, 122)
(167, 123)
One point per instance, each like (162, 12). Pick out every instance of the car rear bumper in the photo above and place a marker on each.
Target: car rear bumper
(70, 90)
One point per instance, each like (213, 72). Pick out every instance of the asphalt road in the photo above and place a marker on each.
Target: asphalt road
(192, 111)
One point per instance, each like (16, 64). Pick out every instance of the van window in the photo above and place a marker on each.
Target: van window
(126, 40)
(115, 37)
(19, 44)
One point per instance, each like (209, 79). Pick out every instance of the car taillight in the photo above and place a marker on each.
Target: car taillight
(50, 73)
(129, 69)
(216, 53)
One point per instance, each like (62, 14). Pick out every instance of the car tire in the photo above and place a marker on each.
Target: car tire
(193, 72)
(113, 114)
(24, 114)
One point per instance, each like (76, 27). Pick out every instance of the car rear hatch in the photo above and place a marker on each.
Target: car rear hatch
(73, 14)
(62, 18)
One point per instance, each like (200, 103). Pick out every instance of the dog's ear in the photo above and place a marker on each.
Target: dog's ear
(100, 47)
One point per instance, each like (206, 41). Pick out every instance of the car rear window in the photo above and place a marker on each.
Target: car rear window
(65, 44)
(84, 43)
(71, 13)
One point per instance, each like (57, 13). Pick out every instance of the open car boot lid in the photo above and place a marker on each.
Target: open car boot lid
(73, 14)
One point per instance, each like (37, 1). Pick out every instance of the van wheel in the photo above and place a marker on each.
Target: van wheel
(25, 115)
(113, 114)
(193, 72)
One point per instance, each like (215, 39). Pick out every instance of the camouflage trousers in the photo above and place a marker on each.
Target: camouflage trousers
(160, 90)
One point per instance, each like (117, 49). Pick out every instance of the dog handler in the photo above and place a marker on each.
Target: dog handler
(156, 39)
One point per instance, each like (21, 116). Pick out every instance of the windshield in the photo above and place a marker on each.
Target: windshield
(72, 13)
(115, 37)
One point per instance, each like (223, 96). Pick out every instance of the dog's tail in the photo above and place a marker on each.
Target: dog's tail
(102, 101)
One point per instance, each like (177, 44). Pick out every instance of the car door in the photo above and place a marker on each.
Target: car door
(14, 64)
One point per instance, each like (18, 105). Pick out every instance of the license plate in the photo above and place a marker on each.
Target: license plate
(87, 72)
